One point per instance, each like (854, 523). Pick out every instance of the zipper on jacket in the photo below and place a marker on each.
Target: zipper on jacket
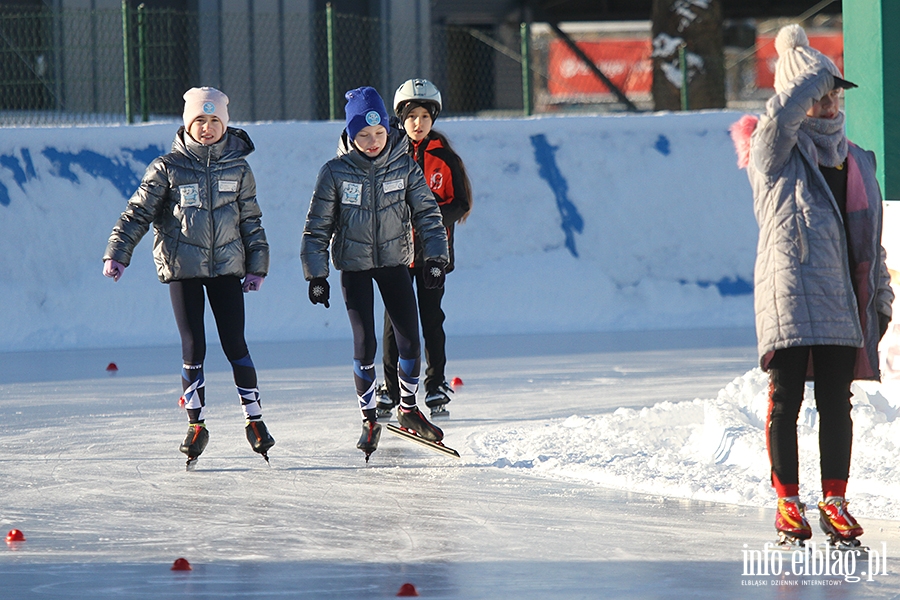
(212, 221)
(376, 261)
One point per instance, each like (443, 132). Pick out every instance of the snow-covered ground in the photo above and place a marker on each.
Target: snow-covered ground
(584, 474)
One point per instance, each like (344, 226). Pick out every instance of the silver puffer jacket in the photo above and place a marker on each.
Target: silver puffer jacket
(202, 203)
(805, 293)
(369, 207)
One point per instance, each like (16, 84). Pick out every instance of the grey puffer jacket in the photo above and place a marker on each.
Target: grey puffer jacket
(805, 294)
(365, 210)
(202, 203)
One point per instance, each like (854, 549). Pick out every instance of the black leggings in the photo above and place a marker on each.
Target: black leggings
(396, 289)
(833, 368)
(432, 317)
(226, 299)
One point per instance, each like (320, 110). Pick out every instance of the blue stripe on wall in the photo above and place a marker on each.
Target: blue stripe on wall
(113, 170)
(738, 286)
(572, 222)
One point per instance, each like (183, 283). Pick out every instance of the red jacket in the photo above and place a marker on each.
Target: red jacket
(444, 175)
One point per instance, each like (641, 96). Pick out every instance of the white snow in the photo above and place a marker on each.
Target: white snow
(579, 224)
(705, 449)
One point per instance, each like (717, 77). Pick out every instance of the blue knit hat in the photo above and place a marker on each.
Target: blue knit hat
(364, 107)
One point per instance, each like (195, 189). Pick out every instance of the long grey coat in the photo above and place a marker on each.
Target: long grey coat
(365, 210)
(202, 203)
(804, 290)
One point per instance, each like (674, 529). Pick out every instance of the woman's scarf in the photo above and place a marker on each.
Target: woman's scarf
(829, 137)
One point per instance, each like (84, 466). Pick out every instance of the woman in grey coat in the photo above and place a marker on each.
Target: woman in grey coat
(364, 208)
(208, 234)
(822, 292)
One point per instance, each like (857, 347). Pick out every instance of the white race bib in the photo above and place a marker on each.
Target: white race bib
(393, 186)
(351, 193)
(190, 195)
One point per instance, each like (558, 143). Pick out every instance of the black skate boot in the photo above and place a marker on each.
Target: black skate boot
(368, 441)
(413, 420)
(437, 398)
(259, 437)
(384, 403)
(194, 443)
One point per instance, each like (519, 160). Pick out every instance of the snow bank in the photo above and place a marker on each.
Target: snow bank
(580, 224)
(712, 449)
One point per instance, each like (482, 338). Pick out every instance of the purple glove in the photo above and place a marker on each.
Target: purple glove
(252, 282)
(113, 268)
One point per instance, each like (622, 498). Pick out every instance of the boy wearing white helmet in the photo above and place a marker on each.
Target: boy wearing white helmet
(417, 103)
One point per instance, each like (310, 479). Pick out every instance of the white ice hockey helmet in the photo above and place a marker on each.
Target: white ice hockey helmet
(421, 91)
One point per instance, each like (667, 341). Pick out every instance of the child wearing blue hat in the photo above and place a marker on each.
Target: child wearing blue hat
(363, 210)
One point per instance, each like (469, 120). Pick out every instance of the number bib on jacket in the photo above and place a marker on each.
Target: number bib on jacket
(393, 186)
(351, 193)
(190, 195)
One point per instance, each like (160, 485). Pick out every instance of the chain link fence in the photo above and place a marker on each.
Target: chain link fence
(83, 66)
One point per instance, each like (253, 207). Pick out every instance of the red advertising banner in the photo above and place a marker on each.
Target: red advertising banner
(829, 44)
(626, 62)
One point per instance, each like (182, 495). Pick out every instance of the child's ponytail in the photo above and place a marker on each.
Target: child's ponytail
(466, 192)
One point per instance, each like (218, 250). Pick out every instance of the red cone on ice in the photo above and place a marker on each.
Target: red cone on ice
(408, 589)
(111, 368)
(182, 564)
(456, 382)
(15, 536)
(181, 402)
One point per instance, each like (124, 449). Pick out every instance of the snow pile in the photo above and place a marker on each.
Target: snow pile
(712, 449)
(579, 224)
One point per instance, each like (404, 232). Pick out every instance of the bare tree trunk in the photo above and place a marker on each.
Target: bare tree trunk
(696, 24)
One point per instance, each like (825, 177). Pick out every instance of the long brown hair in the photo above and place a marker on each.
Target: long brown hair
(464, 176)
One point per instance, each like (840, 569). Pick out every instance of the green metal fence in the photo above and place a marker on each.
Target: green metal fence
(134, 64)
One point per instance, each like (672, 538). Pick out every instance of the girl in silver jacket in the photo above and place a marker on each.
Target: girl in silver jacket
(822, 292)
(208, 235)
(363, 210)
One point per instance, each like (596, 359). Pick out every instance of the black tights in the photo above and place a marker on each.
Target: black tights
(432, 318)
(396, 289)
(833, 373)
(226, 299)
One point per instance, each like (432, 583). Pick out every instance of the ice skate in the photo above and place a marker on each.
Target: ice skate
(838, 524)
(259, 437)
(194, 443)
(413, 420)
(437, 398)
(791, 524)
(368, 441)
(384, 404)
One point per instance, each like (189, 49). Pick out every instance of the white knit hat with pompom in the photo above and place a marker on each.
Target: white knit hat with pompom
(795, 57)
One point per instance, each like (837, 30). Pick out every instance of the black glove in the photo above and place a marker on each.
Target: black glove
(319, 291)
(434, 275)
(883, 322)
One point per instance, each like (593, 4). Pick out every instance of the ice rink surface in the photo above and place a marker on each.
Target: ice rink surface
(90, 472)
